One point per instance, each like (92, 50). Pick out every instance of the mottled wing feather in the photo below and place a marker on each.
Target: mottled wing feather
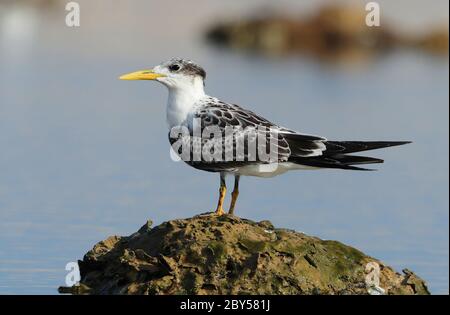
(245, 123)
(217, 113)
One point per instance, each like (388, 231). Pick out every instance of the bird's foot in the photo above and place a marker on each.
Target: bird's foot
(219, 211)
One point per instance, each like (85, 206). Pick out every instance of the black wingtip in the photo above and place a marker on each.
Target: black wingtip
(386, 144)
(402, 142)
(343, 147)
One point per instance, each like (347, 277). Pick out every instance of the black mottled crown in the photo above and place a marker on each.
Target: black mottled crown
(187, 67)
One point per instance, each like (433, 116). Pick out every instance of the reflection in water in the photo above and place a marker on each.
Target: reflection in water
(84, 155)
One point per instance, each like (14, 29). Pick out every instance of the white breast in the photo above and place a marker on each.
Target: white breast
(182, 101)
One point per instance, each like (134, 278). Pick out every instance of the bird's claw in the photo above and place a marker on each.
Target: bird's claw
(219, 211)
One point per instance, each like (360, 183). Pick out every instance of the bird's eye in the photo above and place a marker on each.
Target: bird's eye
(174, 67)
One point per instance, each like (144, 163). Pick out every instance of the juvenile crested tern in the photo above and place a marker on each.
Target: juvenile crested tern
(188, 102)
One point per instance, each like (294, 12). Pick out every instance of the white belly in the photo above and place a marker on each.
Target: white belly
(271, 170)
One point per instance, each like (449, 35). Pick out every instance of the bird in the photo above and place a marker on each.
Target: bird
(190, 108)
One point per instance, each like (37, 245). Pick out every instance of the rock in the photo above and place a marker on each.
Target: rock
(335, 33)
(435, 41)
(210, 254)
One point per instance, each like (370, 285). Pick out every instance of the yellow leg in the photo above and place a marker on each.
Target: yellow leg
(222, 192)
(234, 195)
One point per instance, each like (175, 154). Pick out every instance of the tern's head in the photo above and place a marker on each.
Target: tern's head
(175, 74)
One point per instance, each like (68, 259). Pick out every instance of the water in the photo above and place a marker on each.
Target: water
(84, 155)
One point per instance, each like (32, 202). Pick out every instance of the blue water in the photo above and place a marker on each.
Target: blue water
(84, 155)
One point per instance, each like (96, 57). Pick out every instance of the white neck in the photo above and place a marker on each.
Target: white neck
(181, 101)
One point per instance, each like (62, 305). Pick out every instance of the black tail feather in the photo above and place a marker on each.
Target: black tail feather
(336, 154)
(338, 161)
(355, 159)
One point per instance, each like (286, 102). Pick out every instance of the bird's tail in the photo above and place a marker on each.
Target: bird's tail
(336, 154)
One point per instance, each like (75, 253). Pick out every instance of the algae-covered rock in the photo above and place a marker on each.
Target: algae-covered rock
(210, 254)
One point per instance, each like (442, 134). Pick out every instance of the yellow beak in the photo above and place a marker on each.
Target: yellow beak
(141, 75)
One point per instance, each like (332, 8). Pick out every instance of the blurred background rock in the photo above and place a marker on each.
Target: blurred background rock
(84, 155)
(336, 32)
